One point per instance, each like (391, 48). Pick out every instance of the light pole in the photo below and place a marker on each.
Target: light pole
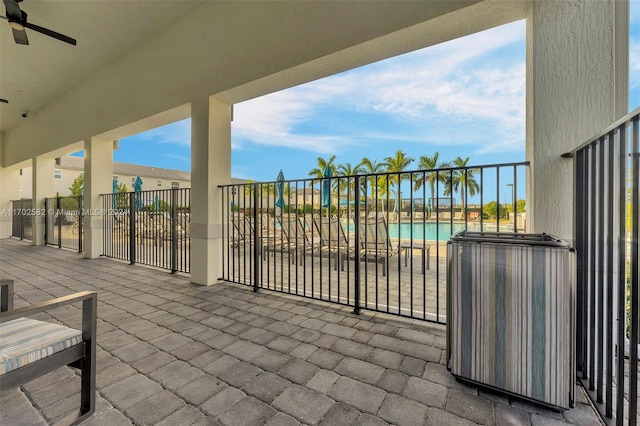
(513, 196)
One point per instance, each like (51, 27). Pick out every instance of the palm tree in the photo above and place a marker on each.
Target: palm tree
(430, 163)
(347, 169)
(318, 172)
(371, 167)
(462, 180)
(397, 164)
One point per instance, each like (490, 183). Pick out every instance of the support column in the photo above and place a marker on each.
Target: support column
(42, 187)
(210, 166)
(9, 190)
(573, 75)
(98, 178)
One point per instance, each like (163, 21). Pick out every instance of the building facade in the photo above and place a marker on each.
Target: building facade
(68, 168)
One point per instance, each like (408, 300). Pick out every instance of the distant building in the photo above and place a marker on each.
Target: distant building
(69, 167)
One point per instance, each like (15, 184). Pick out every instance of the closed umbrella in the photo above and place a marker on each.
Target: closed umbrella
(326, 188)
(137, 187)
(280, 190)
(113, 197)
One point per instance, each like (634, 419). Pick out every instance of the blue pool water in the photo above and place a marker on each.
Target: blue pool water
(420, 231)
(424, 231)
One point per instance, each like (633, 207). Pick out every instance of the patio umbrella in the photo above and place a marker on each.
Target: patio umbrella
(429, 208)
(326, 188)
(137, 187)
(280, 190)
(113, 197)
(156, 204)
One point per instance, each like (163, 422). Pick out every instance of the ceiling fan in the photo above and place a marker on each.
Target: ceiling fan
(18, 22)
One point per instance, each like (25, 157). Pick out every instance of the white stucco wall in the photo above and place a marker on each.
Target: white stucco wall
(570, 97)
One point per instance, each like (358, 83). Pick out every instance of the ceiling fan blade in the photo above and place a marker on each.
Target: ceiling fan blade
(50, 33)
(20, 36)
(13, 10)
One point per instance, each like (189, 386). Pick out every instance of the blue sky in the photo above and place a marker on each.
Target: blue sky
(463, 98)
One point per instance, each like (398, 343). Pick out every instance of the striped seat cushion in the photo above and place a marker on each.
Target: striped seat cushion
(25, 340)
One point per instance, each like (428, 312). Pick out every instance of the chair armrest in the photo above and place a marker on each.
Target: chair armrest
(6, 295)
(47, 305)
(89, 311)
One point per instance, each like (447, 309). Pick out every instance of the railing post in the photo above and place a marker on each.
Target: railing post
(59, 217)
(356, 268)
(46, 222)
(21, 219)
(132, 227)
(256, 240)
(174, 231)
(514, 200)
(80, 218)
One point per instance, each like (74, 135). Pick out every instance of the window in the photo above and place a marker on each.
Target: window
(57, 174)
(159, 182)
(175, 185)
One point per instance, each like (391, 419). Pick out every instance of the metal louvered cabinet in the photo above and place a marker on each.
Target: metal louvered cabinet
(511, 314)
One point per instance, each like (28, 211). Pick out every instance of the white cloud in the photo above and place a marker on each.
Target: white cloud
(457, 81)
(178, 133)
(634, 62)
(270, 120)
(183, 158)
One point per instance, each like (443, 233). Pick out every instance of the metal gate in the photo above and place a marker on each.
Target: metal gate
(148, 227)
(22, 212)
(63, 222)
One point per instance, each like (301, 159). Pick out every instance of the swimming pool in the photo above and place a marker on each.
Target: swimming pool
(425, 230)
(420, 231)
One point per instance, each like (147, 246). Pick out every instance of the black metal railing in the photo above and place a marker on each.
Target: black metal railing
(148, 227)
(21, 219)
(607, 218)
(63, 222)
(370, 241)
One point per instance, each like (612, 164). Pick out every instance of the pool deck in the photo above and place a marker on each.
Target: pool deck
(174, 353)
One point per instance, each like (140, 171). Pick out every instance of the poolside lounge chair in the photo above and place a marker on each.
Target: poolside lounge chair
(295, 238)
(334, 240)
(268, 229)
(375, 243)
(242, 231)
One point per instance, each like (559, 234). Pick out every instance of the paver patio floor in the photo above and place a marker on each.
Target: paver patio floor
(174, 353)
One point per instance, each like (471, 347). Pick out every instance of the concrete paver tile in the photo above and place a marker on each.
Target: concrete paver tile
(247, 411)
(155, 408)
(402, 411)
(266, 387)
(222, 401)
(360, 395)
(305, 405)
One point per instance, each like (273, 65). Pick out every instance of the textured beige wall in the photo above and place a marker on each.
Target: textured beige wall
(570, 97)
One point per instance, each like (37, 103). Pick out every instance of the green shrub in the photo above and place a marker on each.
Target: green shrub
(628, 303)
(69, 203)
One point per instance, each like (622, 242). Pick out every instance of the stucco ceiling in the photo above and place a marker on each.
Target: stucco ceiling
(34, 75)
